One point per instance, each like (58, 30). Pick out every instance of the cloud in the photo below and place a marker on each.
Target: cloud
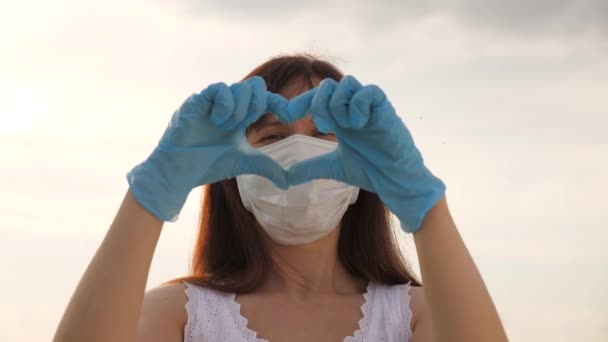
(540, 16)
(519, 17)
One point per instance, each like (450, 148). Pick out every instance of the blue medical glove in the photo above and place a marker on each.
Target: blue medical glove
(289, 111)
(205, 142)
(375, 151)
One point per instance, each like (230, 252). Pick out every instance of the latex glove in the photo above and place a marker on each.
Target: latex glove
(375, 151)
(205, 142)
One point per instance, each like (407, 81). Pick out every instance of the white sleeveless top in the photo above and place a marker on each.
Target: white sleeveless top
(216, 316)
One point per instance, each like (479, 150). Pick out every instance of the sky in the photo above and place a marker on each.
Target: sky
(506, 101)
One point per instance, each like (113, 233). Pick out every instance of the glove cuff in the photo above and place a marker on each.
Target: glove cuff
(158, 185)
(411, 221)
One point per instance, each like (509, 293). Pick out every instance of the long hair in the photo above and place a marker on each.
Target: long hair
(230, 253)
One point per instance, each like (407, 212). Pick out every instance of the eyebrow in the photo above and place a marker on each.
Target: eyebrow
(265, 120)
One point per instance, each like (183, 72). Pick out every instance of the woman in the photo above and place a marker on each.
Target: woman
(300, 255)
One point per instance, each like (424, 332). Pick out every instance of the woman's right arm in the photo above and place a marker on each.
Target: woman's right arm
(205, 142)
(106, 304)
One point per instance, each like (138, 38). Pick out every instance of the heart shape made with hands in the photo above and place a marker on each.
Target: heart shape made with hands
(205, 142)
(345, 108)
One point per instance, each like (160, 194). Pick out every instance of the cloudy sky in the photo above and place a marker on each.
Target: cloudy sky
(506, 100)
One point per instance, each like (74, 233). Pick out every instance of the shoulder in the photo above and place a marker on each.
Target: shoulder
(420, 323)
(411, 300)
(171, 297)
(163, 313)
(417, 303)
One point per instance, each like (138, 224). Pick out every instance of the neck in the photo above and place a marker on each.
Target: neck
(309, 269)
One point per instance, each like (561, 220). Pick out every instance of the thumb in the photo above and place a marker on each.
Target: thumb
(327, 166)
(256, 163)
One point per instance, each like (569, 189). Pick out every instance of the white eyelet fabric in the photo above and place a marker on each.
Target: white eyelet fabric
(216, 316)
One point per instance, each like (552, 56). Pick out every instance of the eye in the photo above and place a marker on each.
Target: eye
(273, 137)
(324, 135)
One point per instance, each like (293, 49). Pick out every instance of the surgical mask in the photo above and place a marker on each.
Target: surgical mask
(303, 213)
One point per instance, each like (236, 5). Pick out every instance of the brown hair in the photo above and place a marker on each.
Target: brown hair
(230, 254)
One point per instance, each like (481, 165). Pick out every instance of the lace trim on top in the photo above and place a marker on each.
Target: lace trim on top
(241, 321)
(359, 334)
(191, 331)
(222, 316)
(408, 311)
(366, 311)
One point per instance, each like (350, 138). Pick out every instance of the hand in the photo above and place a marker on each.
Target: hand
(375, 151)
(205, 142)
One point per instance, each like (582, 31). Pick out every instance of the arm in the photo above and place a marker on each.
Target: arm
(377, 153)
(198, 147)
(459, 305)
(105, 306)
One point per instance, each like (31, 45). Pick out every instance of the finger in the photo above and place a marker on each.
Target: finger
(340, 100)
(195, 106)
(222, 103)
(299, 106)
(257, 103)
(257, 163)
(241, 95)
(277, 105)
(327, 166)
(320, 106)
(362, 104)
(289, 111)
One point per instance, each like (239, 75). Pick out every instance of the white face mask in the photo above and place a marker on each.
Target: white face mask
(303, 213)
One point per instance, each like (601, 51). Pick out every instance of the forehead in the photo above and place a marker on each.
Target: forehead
(299, 85)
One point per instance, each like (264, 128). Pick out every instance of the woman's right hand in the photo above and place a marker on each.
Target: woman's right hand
(205, 142)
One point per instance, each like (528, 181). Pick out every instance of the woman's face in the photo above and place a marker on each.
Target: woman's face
(268, 129)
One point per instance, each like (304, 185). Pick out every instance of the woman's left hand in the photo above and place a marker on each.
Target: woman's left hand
(376, 151)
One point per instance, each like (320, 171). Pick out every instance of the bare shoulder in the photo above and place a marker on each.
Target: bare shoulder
(163, 314)
(420, 324)
(170, 298)
(417, 302)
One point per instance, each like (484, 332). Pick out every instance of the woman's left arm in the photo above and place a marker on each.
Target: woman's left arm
(377, 153)
(457, 301)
